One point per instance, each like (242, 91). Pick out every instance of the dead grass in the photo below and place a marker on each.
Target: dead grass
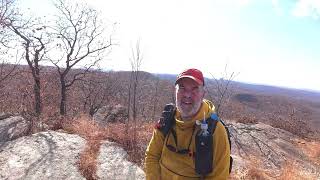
(290, 171)
(88, 159)
(135, 148)
(311, 149)
(250, 174)
(289, 174)
(254, 171)
(86, 128)
(257, 174)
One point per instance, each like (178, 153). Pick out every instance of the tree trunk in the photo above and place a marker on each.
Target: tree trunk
(63, 97)
(129, 106)
(37, 96)
(134, 109)
(37, 86)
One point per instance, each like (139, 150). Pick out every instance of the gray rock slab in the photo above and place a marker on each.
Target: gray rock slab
(45, 155)
(272, 146)
(113, 165)
(12, 128)
(109, 114)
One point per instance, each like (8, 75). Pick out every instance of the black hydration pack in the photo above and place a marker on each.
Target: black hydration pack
(204, 152)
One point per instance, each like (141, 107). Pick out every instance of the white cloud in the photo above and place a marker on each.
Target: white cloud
(307, 8)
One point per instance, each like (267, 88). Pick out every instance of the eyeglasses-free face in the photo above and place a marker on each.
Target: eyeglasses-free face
(189, 96)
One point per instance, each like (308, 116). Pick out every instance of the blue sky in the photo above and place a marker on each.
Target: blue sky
(273, 42)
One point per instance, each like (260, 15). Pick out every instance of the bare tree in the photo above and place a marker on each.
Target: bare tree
(28, 34)
(7, 68)
(97, 89)
(80, 41)
(135, 61)
(223, 89)
(7, 10)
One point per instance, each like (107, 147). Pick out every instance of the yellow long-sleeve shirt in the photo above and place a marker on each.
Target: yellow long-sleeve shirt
(161, 163)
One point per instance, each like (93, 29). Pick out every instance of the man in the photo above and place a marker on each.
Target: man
(162, 159)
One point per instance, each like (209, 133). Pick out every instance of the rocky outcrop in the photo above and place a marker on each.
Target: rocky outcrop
(112, 164)
(45, 155)
(272, 148)
(12, 128)
(110, 114)
(4, 115)
(55, 155)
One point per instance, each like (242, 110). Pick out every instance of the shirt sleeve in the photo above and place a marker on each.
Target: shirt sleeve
(153, 155)
(221, 154)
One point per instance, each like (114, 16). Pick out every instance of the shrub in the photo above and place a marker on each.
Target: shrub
(297, 127)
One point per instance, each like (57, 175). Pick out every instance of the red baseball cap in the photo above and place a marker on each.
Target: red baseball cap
(194, 74)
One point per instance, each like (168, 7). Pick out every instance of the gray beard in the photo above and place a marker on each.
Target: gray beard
(190, 114)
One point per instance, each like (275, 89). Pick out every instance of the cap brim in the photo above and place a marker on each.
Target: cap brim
(198, 81)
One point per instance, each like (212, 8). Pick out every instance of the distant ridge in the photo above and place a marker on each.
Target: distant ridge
(170, 77)
(283, 91)
(311, 95)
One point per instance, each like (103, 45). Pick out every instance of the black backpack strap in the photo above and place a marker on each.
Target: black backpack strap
(166, 120)
(215, 117)
(212, 124)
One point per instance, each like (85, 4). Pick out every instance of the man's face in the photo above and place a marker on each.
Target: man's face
(189, 97)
